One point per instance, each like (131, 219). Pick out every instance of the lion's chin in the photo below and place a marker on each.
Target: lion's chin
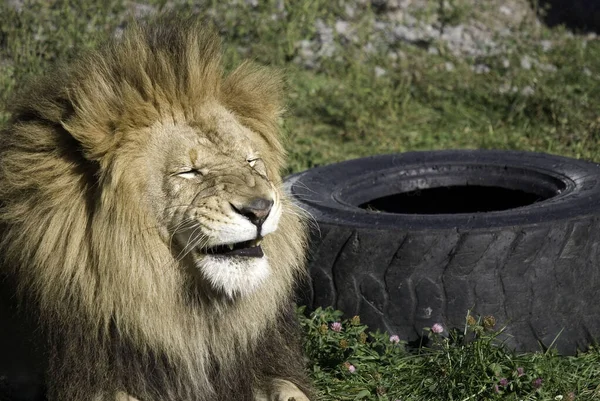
(234, 276)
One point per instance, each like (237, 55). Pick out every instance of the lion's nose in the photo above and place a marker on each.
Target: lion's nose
(256, 210)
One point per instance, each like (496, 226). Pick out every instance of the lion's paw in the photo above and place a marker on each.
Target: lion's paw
(300, 398)
(284, 390)
(121, 396)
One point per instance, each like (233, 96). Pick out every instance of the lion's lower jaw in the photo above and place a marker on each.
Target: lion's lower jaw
(234, 276)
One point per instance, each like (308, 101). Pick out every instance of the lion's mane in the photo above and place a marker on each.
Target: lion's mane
(116, 310)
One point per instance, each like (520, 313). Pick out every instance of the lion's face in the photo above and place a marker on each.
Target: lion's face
(213, 195)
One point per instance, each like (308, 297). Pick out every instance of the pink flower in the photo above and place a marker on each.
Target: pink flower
(496, 389)
(394, 339)
(520, 372)
(437, 328)
(336, 326)
(537, 383)
(351, 368)
(503, 382)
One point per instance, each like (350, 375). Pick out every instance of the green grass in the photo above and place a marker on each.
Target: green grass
(342, 109)
(468, 363)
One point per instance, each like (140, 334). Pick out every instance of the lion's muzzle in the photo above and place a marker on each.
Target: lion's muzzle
(256, 210)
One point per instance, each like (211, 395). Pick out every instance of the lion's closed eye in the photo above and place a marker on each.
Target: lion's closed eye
(258, 165)
(190, 173)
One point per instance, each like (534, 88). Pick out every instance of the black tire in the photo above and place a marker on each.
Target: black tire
(511, 234)
(579, 15)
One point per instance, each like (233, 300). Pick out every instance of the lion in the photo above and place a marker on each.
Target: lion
(145, 231)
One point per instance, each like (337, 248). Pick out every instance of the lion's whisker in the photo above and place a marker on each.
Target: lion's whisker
(184, 251)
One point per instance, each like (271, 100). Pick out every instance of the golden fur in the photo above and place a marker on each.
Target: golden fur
(88, 212)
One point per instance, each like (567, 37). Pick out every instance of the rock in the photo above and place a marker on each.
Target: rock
(505, 10)
(547, 67)
(480, 69)
(379, 72)
(546, 45)
(527, 91)
(526, 62)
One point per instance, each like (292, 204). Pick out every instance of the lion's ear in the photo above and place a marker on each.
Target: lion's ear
(254, 92)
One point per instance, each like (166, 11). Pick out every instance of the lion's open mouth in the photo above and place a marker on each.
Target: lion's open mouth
(248, 249)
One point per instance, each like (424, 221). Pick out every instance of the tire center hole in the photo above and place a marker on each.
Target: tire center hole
(454, 199)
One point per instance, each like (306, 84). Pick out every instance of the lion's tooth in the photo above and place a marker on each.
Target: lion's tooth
(258, 242)
(230, 246)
